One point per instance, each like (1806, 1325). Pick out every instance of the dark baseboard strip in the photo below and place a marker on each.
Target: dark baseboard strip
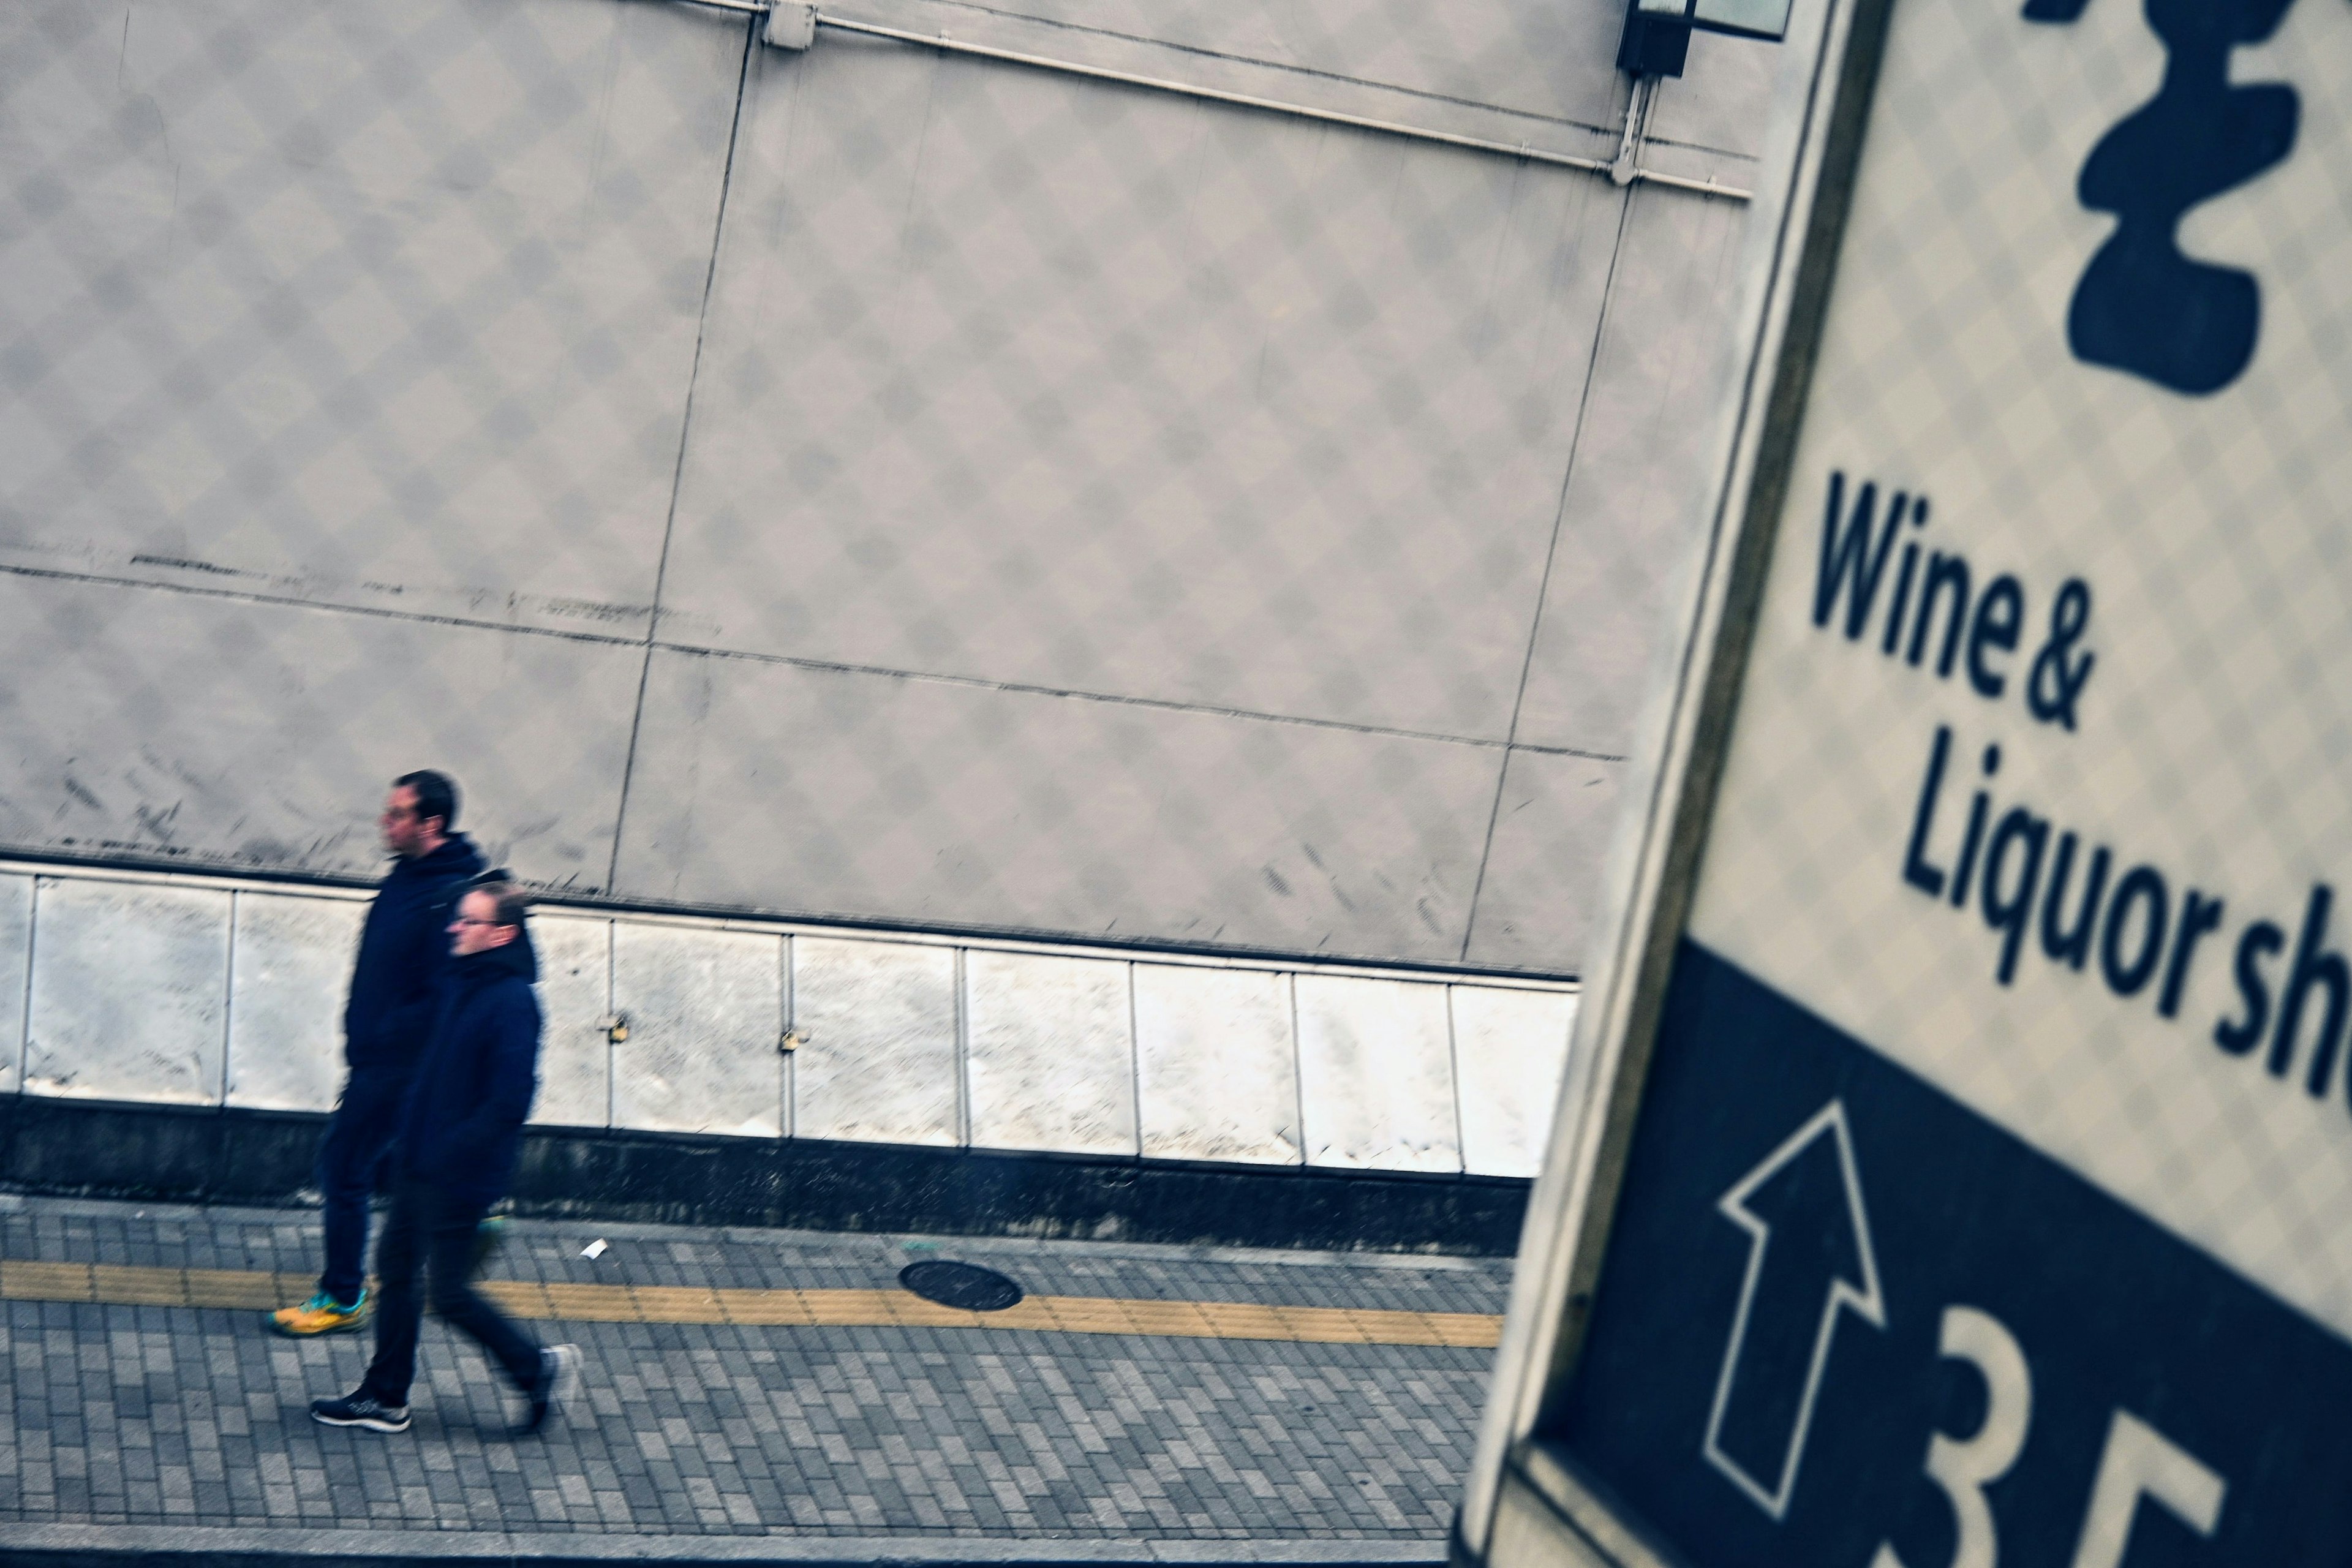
(165, 1546)
(193, 1154)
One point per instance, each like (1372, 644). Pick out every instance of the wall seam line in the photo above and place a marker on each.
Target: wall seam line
(1551, 557)
(1297, 1072)
(791, 1116)
(815, 666)
(962, 1051)
(228, 994)
(612, 1005)
(1454, 1071)
(685, 434)
(1134, 1059)
(32, 939)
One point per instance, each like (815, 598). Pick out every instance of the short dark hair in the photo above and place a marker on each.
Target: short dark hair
(436, 795)
(512, 900)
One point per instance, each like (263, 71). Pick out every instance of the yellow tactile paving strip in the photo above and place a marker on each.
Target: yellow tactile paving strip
(106, 1284)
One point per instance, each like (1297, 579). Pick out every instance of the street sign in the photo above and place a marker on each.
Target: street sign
(1959, 1171)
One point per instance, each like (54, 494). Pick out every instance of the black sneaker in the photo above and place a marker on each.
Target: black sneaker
(559, 1374)
(360, 1409)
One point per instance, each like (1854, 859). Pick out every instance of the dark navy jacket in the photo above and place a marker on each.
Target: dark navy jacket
(462, 1122)
(403, 948)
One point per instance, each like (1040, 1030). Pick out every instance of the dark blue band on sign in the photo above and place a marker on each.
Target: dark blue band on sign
(1845, 1320)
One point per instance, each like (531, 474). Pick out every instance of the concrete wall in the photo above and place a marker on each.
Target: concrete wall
(871, 484)
(199, 991)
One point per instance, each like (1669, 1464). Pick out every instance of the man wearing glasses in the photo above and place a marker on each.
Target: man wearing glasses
(459, 1135)
(402, 951)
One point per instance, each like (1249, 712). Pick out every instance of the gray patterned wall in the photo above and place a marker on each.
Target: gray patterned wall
(870, 483)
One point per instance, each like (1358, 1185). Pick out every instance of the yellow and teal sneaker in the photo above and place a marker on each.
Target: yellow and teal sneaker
(323, 1314)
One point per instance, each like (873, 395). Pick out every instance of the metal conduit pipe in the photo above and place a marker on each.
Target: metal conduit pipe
(1621, 170)
(1627, 168)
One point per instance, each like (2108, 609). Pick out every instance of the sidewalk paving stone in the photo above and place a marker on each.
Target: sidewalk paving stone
(127, 1413)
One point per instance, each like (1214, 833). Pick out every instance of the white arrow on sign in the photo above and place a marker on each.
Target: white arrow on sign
(1809, 1258)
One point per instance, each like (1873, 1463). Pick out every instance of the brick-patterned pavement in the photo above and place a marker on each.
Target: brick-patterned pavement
(120, 1414)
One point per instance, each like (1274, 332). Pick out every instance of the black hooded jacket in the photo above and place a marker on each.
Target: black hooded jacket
(462, 1126)
(403, 948)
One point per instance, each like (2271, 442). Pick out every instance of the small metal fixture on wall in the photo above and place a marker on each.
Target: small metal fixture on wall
(1656, 41)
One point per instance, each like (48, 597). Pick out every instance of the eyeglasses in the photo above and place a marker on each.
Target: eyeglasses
(471, 920)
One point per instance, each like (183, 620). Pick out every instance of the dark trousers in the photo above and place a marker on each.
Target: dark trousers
(350, 1158)
(431, 1231)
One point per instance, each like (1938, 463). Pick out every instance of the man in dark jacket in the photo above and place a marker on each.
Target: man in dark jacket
(403, 948)
(459, 1133)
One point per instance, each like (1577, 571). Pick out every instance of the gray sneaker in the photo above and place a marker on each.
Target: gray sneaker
(360, 1409)
(559, 1376)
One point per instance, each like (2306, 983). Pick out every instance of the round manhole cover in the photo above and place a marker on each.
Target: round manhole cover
(965, 1286)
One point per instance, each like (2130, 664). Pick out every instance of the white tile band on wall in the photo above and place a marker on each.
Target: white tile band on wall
(289, 969)
(1376, 1074)
(706, 1010)
(15, 977)
(880, 1022)
(1510, 1047)
(1050, 1053)
(1216, 1070)
(196, 991)
(130, 991)
(575, 996)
